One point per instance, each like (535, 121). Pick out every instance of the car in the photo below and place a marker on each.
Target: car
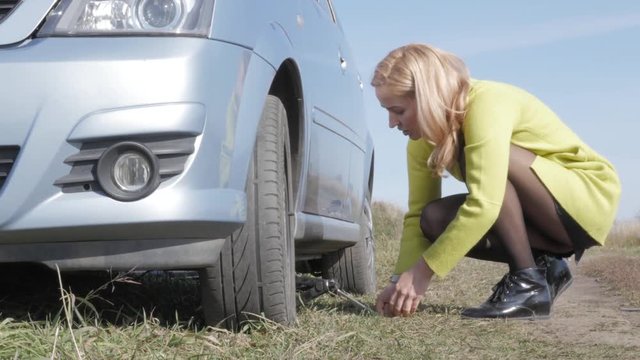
(227, 137)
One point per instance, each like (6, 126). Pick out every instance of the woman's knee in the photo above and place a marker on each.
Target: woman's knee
(520, 158)
(437, 215)
(430, 222)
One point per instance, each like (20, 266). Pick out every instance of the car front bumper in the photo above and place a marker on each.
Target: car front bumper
(54, 96)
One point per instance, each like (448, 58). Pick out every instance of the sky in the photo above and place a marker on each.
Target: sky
(581, 57)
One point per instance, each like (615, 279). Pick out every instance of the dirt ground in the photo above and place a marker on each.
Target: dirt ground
(590, 313)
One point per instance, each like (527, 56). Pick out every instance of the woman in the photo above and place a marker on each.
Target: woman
(537, 193)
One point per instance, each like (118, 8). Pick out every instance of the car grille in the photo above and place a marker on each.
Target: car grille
(6, 6)
(8, 156)
(172, 156)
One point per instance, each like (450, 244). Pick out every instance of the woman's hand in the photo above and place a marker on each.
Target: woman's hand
(382, 302)
(404, 297)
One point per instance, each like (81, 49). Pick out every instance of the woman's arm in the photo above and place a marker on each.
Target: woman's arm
(424, 187)
(487, 128)
(401, 297)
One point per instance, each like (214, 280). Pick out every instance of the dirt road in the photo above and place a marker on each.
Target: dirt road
(590, 313)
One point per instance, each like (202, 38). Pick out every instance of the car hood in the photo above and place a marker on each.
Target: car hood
(22, 20)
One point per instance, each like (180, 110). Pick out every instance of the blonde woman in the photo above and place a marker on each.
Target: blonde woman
(536, 192)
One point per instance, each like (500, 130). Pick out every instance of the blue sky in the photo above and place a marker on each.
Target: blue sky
(582, 58)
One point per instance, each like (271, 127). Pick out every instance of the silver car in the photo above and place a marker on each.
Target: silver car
(223, 136)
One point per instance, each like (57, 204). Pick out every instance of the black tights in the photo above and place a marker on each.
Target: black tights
(526, 226)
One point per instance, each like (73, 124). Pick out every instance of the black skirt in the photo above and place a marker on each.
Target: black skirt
(580, 238)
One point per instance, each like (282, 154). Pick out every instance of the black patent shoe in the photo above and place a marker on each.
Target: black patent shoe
(558, 274)
(523, 294)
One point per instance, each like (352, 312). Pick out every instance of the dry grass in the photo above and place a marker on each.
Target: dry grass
(618, 263)
(159, 319)
(618, 271)
(625, 234)
(387, 222)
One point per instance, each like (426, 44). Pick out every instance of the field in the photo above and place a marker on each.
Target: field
(156, 315)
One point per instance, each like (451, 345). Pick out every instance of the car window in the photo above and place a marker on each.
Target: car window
(327, 6)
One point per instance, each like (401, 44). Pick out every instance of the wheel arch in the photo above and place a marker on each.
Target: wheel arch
(287, 86)
(371, 168)
(271, 70)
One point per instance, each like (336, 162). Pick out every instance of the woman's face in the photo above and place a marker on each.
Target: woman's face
(402, 112)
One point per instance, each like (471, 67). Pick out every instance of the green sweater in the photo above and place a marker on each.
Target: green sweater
(583, 182)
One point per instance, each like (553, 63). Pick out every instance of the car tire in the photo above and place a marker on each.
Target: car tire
(354, 267)
(256, 270)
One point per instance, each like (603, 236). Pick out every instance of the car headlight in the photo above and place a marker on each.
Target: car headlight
(128, 171)
(129, 17)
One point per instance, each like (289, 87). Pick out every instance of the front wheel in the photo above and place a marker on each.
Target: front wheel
(256, 270)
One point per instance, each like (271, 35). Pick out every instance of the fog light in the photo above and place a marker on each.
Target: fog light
(131, 171)
(159, 14)
(128, 171)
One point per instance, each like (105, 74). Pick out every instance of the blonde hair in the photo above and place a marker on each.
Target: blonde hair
(439, 82)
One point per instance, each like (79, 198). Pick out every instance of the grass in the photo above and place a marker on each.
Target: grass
(156, 316)
(619, 272)
(618, 264)
(625, 234)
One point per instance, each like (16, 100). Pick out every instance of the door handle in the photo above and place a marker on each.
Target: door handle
(343, 63)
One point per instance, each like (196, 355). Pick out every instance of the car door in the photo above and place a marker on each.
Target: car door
(332, 96)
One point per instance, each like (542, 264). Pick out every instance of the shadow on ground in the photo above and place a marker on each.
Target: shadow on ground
(32, 293)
